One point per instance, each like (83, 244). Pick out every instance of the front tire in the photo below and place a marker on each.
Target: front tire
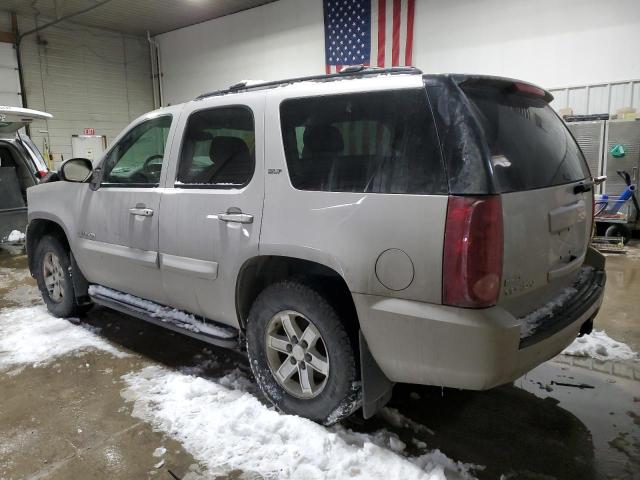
(301, 354)
(53, 274)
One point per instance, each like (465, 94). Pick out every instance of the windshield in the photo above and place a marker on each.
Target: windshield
(530, 145)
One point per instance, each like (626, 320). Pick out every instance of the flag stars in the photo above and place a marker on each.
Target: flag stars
(347, 31)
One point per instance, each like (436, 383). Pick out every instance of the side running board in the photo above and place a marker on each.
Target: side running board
(176, 320)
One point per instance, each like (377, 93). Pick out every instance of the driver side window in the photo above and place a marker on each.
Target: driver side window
(136, 160)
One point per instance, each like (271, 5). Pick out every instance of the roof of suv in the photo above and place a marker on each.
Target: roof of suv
(354, 71)
(361, 71)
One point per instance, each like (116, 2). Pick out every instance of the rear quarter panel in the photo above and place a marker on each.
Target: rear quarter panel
(349, 231)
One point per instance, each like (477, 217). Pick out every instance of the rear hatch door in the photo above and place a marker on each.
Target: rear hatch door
(545, 189)
(13, 119)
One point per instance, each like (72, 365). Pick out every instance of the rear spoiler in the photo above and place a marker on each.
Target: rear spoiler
(502, 83)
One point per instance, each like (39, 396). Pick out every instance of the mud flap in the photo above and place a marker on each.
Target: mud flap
(376, 387)
(80, 284)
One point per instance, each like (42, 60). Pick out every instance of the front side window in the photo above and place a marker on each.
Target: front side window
(379, 142)
(218, 149)
(136, 160)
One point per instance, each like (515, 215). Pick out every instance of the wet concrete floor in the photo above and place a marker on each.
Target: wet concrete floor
(67, 420)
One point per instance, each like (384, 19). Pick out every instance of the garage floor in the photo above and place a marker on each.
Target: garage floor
(148, 403)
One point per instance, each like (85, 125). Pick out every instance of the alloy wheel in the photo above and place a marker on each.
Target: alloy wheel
(296, 354)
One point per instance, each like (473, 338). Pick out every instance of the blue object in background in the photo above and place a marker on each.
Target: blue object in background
(626, 195)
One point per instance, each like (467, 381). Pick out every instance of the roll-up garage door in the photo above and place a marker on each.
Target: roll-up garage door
(9, 79)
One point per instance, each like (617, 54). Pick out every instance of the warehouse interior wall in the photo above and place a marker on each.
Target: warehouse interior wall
(86, 78)
(551, 43)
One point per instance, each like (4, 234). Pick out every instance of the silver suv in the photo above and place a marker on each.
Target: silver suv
(350, 231)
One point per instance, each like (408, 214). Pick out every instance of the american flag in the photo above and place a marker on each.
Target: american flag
(368, 32)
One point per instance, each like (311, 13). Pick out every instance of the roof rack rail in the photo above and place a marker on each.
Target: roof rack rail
(351, 71)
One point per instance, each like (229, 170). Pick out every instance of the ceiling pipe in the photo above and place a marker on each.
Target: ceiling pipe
(20, 36)
(61, 19)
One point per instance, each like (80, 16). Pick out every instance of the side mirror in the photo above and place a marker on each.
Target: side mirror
(77, 170)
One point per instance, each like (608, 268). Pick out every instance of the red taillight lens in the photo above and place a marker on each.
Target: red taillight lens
(42, 173)
(473, 245)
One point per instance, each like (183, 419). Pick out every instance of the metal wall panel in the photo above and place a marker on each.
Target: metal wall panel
(590, 137)
(86, 78)
(598, 98)
(626, 132)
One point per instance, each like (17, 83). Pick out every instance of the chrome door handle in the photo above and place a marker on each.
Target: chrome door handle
(235, 217)
(141, 212)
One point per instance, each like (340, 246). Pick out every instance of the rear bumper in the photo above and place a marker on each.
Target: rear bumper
(428, 344)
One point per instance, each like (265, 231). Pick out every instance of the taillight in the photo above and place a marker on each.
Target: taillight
(42, 173)
(473, 246)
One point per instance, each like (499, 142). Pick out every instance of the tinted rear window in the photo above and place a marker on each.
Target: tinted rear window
(530, 146)
(379, 142)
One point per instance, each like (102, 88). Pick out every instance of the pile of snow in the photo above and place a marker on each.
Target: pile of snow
(33, 336)
(15, 236)
(600, 346)
(166, 314)
(227, 428)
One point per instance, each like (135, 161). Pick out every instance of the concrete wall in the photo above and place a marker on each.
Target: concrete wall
(84, 77)
(550, 42)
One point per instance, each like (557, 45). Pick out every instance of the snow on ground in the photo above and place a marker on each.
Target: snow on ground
(33, 336)
(600, 346)
(15, 236)
(226, 427)
(222, 422)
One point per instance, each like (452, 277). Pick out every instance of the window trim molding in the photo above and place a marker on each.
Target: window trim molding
(214, 186)
(129, 185)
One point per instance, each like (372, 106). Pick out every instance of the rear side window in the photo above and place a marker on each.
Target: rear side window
(218, 149)
(380, 142)
(530, 146)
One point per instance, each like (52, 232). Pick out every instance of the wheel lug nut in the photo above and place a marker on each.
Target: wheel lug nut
(295, 339)
(307, 357)
(289, 347)
(302, 365)
(293, 361)
(304, 344)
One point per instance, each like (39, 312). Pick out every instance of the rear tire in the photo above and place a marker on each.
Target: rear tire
(317, 379)
(53, 274)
